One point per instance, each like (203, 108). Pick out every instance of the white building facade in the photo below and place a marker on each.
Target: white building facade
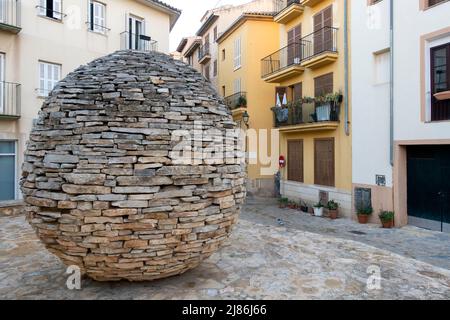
(401, 109)
(42, 41)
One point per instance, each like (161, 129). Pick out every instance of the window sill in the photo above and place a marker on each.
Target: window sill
(104, 34)
(51, 19)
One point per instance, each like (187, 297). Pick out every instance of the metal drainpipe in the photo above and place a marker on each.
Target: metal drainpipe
(391, 85)
(346, 65)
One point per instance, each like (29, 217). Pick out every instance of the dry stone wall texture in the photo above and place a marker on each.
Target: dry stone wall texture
(104, 186)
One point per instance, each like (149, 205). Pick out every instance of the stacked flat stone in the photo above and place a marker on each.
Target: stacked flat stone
(101, 178)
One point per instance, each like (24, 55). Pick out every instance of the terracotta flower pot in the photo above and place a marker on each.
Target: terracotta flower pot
(363, 218)
(332, 214)
(387, 224)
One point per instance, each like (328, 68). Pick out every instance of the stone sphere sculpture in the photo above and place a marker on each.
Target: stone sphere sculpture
(118, 178)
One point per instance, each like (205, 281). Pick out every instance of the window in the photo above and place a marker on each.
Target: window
(49, 75)
(237, 53)
(223, 54)
(372, 2)
(8, 169)
(295, 160)
(97, 17)
(237, 85)
(294, 52)
(323, 85)
(280, 96)
(206, 39)
(382, 67)
(207, 72)
(435, 2)
(324, 162)
(215, 68)
(323, 34)
(215, 33)
(223, 91)
(51, 9)
(2, 82)
(440, 82)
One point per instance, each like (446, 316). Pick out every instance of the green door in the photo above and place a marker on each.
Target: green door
(429, 187)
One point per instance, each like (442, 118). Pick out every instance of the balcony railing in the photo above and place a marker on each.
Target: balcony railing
(140, 42)
(236, 101)
(283, 58)
(203, 51)
(296, 113)
(9, 100)
(322, 40)
(10, 14)
(280, 5)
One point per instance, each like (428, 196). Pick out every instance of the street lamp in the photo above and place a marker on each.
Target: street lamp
(246, 118)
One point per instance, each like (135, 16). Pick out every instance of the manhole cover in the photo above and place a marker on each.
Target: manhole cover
(359, 233)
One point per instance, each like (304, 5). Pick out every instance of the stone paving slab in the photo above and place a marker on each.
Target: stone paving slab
(260, 261)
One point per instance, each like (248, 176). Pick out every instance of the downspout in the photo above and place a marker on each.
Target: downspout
(346, 71)
(391, 84)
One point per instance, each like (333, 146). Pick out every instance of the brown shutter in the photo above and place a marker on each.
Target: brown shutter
(324, 170)
(295, 160)
(297, 92)
(323, 38)
(293, 37)
(323, 85)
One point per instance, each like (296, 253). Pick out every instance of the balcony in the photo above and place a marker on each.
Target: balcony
(311, 3)
(204, 54)
(9, 100)
(10, 16)
(287, 10)
(236, 101)
(140, 42)
(307, 116)
(320, 48)
(283, 64)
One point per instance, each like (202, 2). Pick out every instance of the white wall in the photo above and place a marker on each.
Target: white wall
(410, 24)
(370, 100)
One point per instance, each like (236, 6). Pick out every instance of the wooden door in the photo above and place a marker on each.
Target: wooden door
(324, 169)
(295, 160)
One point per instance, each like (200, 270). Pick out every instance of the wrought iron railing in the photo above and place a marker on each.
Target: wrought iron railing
(9, 99)
(10, 12)
(320, 41)
(43, 11)
(97, 27)
(140, 42)
(236, 101)
(283, 58)
(280, 5)
(203, 51)
(296, 112)
(323, 40)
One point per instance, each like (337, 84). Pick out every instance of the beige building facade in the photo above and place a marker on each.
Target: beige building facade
(42, 41)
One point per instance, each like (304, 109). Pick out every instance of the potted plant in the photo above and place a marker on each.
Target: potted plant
(304, 206)
(333, 207)
(282, 202)
(364, 214)
(318, 209)
(242, 102)
(292, 205)
(387, 219)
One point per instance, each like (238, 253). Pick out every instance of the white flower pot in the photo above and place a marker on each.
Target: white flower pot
(318, 212)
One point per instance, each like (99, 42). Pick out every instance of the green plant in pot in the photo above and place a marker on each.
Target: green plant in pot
(283, 202)
(304, 206)
(387, 219)
(242, 101)
(364, 214)
(333, 208)
(318, 209)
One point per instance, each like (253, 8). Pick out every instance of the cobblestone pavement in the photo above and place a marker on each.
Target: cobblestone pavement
(306, 258)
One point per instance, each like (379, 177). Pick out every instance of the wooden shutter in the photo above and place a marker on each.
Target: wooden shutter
(207, 72)
(297, 92)
(294, 36)
(295, 160)
(324, 162)
(323, 38)
(57, 9)
(323, 85)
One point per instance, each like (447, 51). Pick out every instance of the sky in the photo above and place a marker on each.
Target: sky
(193, 10)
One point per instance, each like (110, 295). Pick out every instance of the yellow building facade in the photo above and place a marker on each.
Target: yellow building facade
(241, 48)
(312, 109)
